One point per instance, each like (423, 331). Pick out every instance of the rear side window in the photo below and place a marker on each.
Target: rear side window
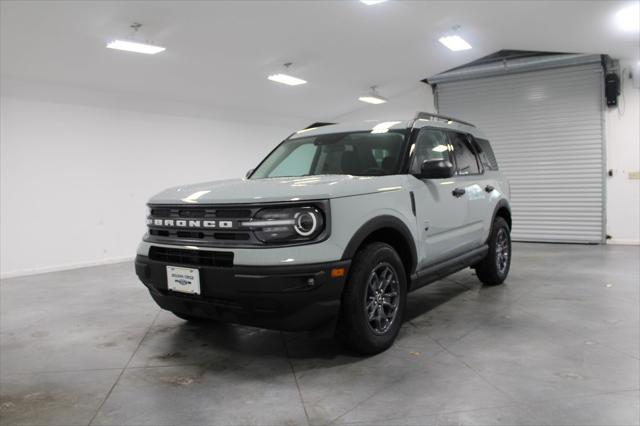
(487, 157)
(465, 159)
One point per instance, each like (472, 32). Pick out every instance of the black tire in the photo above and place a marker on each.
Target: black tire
(365, 296)
(493, 270)
(191, 318)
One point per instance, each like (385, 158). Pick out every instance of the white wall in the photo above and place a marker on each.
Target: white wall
(623, 157)
(75, 178)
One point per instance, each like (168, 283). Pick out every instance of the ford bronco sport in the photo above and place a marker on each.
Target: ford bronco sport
(333, 228)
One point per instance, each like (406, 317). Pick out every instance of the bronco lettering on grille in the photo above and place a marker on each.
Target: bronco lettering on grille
(173, 223)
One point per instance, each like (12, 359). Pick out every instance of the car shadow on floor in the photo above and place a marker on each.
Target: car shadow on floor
(427, 298)
(211, 342)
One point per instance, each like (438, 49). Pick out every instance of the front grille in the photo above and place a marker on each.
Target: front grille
(228, 214)
(191, 257)
(240, 236)
(194, 213)
(190, 234)
(215, 226)
(214, 237)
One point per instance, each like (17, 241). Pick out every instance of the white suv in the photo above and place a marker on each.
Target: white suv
(333, 228)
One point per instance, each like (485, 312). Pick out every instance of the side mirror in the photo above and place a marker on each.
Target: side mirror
(436, 169)
(248, 173)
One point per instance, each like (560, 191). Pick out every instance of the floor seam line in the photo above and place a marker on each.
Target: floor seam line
(579, 334)
(295, 378)
(365, 400)
(478, 374)
(113, 386)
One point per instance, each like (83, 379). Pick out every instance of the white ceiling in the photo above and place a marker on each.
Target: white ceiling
(219, 53)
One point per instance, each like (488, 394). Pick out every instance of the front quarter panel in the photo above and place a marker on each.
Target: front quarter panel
(352, 213)
(348, 214)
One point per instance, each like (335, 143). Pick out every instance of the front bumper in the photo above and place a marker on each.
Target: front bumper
(294, 298)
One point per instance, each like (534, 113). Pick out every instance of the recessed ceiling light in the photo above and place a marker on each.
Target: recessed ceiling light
(372, 2)
(628, 19)
(286, 79)
(132, 46)
(373, 97)
(455, 43)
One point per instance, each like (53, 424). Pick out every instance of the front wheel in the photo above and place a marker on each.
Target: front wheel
(494, 268)
(374, 299)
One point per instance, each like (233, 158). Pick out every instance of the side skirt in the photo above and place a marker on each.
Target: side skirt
(447, 267)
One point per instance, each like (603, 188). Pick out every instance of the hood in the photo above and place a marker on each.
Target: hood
(277, 189)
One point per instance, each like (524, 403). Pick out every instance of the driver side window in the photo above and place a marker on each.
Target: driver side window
(431, 144)
(465, 158)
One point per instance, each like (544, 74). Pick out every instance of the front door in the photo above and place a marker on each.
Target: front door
(442, 215)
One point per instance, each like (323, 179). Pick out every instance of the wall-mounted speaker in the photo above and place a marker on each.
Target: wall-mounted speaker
(612, 89)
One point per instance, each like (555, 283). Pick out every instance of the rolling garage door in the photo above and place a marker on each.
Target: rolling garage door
(546, 128)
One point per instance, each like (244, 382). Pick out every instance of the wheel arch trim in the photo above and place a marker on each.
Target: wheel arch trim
(502, 204)
(380, 223)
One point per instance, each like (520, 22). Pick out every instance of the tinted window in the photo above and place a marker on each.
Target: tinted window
(487, 156)
(297, 163)
(465, 159)
(431, 144)
(356, 153)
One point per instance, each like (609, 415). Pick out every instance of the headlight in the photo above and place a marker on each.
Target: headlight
(291, 224)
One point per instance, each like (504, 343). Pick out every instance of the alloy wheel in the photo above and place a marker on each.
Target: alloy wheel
(382, 298)
(502, 250)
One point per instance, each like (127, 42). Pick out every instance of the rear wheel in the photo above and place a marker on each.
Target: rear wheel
(494, 268)
(373, 302)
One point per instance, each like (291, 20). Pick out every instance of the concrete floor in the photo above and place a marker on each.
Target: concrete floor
(557, 345)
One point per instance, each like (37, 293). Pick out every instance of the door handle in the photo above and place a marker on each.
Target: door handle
(489, 188)
(458, 192)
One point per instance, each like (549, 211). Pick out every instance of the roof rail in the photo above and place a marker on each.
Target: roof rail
(318, 124)
(435, 117)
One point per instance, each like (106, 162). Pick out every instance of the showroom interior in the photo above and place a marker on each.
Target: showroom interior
(105, 104)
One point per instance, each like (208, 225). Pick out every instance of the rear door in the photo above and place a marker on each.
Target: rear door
(471, 183)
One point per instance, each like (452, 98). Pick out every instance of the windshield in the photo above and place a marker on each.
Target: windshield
(350, 153)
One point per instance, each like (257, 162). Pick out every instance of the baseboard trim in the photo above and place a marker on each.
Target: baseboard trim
(36, 271)
(615, 242)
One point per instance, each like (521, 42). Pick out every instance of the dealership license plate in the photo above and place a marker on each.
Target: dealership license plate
(183, 280)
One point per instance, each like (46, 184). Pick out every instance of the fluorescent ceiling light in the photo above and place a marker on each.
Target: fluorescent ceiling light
(628, 19)
(455, 43)
(372, 99)
(384, 126)
(286, 79)
(131, 46)
(372, 2)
